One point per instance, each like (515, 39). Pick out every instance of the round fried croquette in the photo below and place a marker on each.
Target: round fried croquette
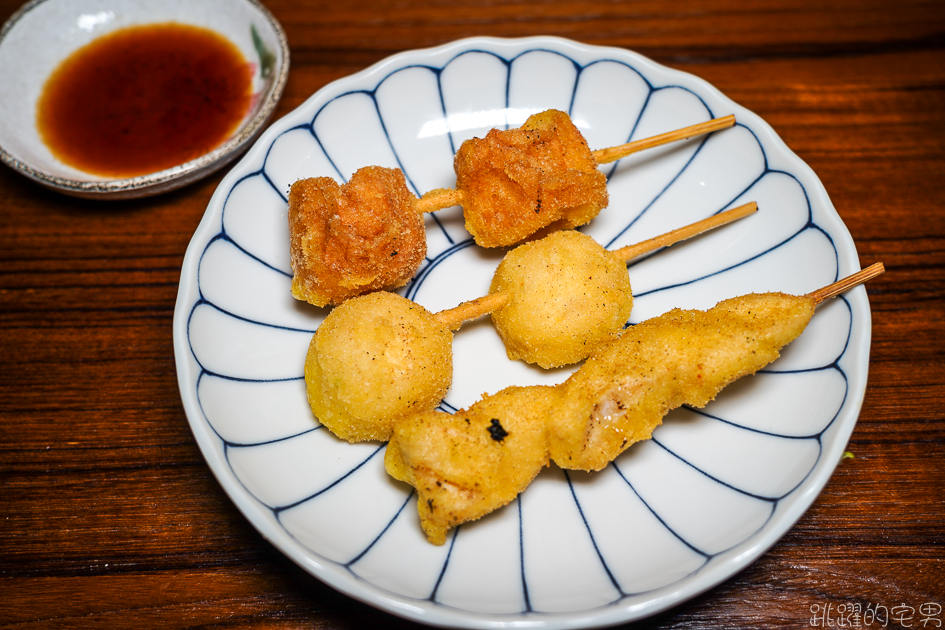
(567, 297)
(376, 358)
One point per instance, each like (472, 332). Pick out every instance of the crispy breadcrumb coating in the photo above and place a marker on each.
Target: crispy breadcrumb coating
(365, 235)
(519, 181)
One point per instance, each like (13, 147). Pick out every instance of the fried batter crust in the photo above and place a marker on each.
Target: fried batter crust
(355, 238)
(468, 464)
(616, 398)
(519, 181)
(683, 357)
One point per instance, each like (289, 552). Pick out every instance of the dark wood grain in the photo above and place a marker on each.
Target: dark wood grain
(110, 516)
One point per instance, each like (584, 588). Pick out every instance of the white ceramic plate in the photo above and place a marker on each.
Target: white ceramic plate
(671, 517)
(41, 34)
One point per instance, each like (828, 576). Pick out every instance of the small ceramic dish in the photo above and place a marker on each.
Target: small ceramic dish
(669, 518)
(38, 37)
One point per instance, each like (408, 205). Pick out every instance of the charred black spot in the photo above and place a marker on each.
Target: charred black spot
(496, 432)
(430, 504)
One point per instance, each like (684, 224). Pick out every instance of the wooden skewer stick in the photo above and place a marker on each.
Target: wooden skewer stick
(454, 317)
(447, 198)
(605, 156)
(630, 252)
(844, 284)
(439, 199)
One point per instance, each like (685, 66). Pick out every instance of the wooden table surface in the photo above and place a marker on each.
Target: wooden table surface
(110, 516)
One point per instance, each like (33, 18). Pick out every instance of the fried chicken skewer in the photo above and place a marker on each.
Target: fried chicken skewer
(380, 356)
(368, 234)
(468, 464)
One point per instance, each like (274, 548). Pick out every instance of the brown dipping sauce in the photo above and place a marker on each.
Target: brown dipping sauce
(144, 99)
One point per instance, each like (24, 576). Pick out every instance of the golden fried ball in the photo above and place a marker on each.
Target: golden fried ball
(349, 240)
(567, 297)
(518, 181)
(375, 358)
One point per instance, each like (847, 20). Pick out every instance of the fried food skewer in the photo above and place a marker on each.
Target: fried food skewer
(468, 464)
(478, 307)
(447, 197)
(381, 356)
(368, 234)
(565, 295)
